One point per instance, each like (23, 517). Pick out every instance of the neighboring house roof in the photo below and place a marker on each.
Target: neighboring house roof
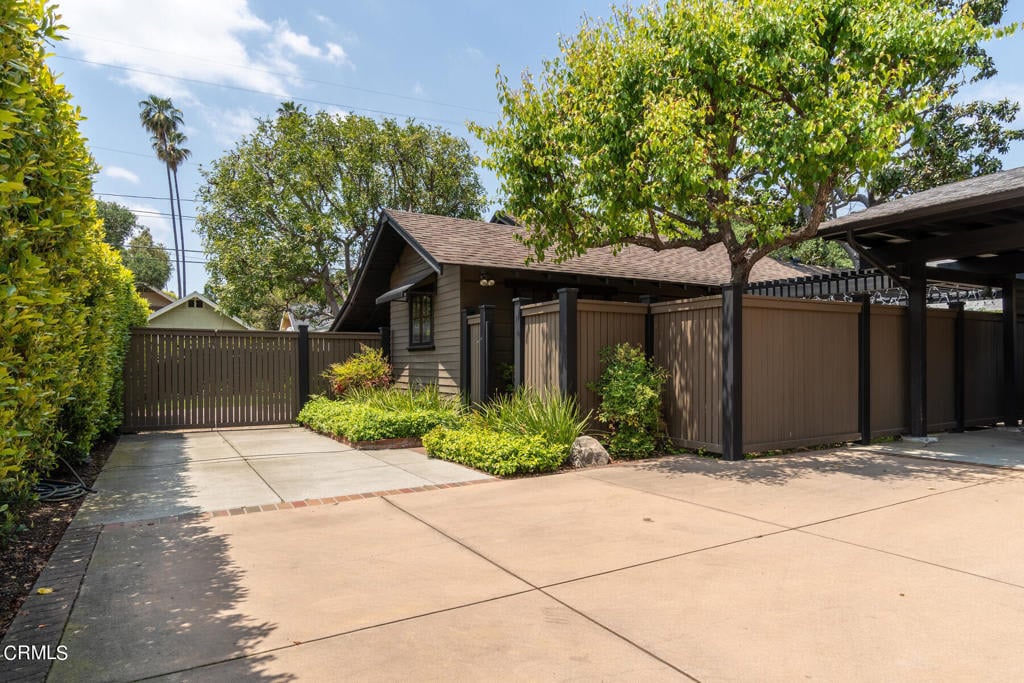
(196, 296)
(155, 297)
(494, 245)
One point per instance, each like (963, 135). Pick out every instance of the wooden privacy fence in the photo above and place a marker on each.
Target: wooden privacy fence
(802, 365)
(175, 379)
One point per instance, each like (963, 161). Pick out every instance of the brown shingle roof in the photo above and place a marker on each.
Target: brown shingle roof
(493, 245)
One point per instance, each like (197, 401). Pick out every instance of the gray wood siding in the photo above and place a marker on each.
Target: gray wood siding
(439, 365)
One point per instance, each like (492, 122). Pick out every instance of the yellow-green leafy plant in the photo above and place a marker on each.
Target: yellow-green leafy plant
(368, 369)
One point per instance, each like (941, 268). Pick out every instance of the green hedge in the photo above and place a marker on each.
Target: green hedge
(66, 302)
(358, 421)
(499, 453)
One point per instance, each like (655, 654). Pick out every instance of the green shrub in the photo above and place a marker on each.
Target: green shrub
(499, 453)
(64, 312)
(552, 416)
(630, 391)
(367, 369)
(428, 397)
(369, 417)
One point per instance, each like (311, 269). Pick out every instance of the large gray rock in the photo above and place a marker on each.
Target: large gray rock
(587, 452)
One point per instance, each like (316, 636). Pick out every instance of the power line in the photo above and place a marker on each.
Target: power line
(256, 92)
(147, 212)
(138, 196)
(285, 75)
(123, 151)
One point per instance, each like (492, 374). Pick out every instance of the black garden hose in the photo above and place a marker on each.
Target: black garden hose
(54, 491)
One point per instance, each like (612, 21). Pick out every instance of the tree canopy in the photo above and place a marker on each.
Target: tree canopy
(149, 262)
(118, 222)
(694, 122)
(285, 215)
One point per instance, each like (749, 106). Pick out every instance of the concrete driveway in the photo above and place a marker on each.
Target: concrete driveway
(848, 565)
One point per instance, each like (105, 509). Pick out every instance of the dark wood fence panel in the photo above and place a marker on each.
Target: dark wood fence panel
(688, 343)
(540, 346)
(326, 348)
(983, 367)
(601, 324)
(888, 370)
(941, 379)
(177, 379)
(799, 372)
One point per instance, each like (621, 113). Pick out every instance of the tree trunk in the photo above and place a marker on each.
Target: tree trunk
(181, 228)
(174, 232)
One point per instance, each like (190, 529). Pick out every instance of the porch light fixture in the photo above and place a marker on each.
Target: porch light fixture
(484, 280)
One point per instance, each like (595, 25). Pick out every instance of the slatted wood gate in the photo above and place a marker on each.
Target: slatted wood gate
(175, 379)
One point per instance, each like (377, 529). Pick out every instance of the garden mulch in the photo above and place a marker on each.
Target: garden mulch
(26, 555)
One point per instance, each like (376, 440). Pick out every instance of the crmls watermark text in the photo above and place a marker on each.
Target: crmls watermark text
(13, 653)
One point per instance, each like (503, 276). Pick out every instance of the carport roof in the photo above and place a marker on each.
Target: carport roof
(973, 228)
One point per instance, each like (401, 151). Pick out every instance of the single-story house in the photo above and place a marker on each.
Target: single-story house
(421, 271)
(154, 297)
(195, 312)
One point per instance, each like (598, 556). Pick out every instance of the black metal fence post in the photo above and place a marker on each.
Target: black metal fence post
(1011, 341)
(466, 358)
(519, 340)
(486, 378)
(732, 372)
(303, 382)
(568, 348)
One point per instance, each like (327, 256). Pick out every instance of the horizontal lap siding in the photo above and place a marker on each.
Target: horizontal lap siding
(439, 365)
(540, 346)
(799, 371)
(603, 324)
(688, 343)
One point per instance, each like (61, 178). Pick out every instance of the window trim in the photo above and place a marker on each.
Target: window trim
(427, 344)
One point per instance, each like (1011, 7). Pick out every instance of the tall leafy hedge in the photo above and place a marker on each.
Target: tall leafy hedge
(66, 301)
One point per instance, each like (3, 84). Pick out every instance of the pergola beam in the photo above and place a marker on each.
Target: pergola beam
(957, 245)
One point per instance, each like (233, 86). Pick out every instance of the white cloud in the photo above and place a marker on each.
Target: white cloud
(219, 41)
(473, 52)
(228, 125)
(159, 225)
(417, 89)
(120, 173)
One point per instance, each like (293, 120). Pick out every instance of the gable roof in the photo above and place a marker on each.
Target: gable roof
(206, 302)
(494, 245)
(440, 240)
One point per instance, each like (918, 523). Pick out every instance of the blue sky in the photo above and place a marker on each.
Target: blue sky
(225, 62)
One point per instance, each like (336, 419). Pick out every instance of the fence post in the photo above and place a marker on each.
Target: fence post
(732, 372)
(385, 341)
(568, 331)
(648, 326)
(303, 365)
(486, 378)
(959, 366)
(466, 357)
(864, 368)
(519, 341)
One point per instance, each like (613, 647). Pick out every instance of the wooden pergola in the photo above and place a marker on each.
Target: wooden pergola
(970, 232)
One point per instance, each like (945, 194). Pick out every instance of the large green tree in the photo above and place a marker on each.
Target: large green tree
(147, 259)
(694, 122)
(285, 215)
(118, 222)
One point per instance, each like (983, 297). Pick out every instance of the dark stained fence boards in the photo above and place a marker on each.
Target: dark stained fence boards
(177, 379)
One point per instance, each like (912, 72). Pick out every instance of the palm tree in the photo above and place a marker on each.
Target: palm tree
(174, 155)
(160, 117)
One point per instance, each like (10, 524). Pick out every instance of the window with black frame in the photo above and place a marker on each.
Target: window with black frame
(421, 320)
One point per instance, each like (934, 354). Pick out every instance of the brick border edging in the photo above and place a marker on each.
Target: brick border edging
(41, 619)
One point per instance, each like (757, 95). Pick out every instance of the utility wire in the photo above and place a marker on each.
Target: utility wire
(382, 112)
(137, 196)
(285, 75)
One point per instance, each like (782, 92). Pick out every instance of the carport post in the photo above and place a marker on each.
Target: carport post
(1011, 343)
(917, 349)
(567, 341)
(732, 372)
(303, 365)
